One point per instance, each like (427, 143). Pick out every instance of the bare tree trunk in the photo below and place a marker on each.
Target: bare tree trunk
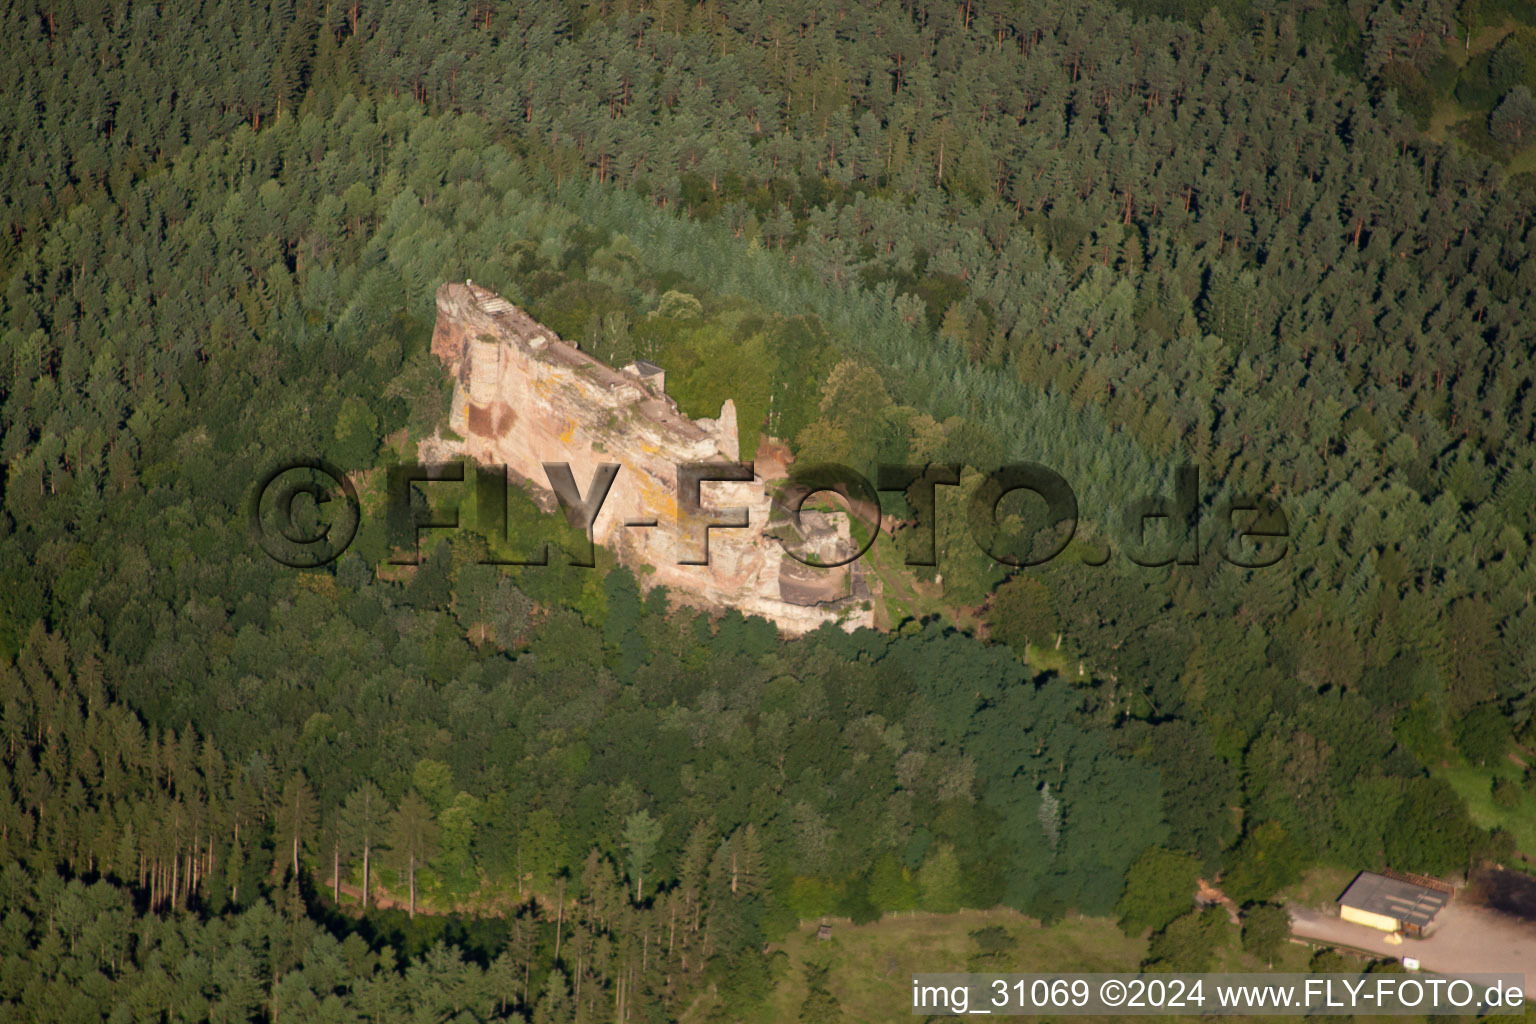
(560, 919)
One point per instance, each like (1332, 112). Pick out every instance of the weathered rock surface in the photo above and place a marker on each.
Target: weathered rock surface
(522, 398)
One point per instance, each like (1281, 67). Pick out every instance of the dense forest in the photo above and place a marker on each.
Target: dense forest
(1111, 239)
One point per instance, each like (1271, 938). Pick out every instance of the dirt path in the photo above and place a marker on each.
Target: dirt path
(378, 899)
(1466, 940)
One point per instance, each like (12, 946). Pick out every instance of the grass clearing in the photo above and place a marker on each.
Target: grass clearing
(1447, 115)
(1319, 888)
(1523, 161)
(1475, 787)
(1489, 37)
(1460, 53)
(872, 964)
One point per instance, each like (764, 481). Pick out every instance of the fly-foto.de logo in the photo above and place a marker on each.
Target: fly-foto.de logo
(306, 512)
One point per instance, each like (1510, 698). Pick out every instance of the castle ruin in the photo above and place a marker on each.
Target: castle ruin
(522, 398)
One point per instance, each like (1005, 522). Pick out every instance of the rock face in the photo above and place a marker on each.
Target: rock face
(522, 398)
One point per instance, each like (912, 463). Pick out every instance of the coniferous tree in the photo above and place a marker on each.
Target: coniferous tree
(412, 839)
(364, 818)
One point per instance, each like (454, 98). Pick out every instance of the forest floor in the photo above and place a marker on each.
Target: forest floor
(379, 898)
(486, 903)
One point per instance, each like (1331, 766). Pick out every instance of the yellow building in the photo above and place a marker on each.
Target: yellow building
(1392, 903)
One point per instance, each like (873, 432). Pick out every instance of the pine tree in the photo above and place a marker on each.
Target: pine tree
(412, 838)
(1514, 120)
(641, 833)
(363, 818)
(296, 816)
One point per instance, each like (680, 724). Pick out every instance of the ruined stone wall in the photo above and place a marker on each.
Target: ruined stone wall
(522, 397)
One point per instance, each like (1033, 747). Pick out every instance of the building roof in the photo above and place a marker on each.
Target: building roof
(1391, 897)
(646, 368)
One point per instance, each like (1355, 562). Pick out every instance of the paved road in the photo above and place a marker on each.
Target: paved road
(1466, 940)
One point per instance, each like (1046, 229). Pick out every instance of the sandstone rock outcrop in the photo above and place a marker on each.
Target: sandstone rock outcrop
(522, 398)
